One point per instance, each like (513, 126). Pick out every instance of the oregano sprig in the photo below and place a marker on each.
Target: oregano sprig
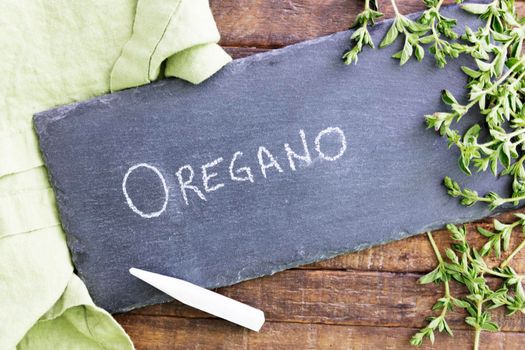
(361, 36)
(445, 303)
(465, 265)
(430, 28)
(497, 87)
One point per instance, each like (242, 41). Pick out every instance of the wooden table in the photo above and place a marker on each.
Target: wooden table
(365, 300)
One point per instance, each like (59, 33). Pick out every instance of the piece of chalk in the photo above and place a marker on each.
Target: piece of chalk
(204, 299)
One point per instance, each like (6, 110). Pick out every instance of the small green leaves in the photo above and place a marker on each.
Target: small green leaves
(465, 265)
(470, 72)
(430, 28)
(445, 304)
(496, 85)
(412, 31)
(468, 196)
(435, 323)
(361, 36)
(500, 239)
(501, 104)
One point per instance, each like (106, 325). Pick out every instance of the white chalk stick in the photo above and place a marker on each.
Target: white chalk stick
(204, 299)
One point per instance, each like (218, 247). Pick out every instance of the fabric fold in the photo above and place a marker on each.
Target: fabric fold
(197, 63)
(179, 25)
(17, 211)
(19, 152)
(73, 323)
(34, 272)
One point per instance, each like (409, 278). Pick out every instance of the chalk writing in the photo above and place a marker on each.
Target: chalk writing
(246, 170)
(264, 166)
(291, 154)
(186, 184)
(207, 176)
(130, 202)
(266, 161)
(342, 138)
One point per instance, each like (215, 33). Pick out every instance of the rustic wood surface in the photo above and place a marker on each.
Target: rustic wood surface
(364, 300)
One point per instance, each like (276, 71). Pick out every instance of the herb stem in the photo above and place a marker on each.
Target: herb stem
(476, 338)
(478, 327)
(396, 10)
(512, 255)
(494, 273)
(435, 248)
(447, 290)
(511, 199)
(507, 73)
(496, 83)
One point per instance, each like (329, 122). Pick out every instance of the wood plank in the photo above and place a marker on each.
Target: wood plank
(415, 254)
(349, 298)
(176, 333)
(276, 23)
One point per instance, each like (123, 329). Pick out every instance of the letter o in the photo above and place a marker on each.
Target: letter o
(130, 202)
(329, 131)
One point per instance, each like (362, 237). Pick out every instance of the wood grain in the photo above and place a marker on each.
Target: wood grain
(364, 300)
(344, 298)
(277, 23)
(203, 334)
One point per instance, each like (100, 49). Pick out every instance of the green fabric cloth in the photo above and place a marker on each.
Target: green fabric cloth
(56, 52)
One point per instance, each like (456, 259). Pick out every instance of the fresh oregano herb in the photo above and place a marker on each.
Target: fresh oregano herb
(496, 86)
(465, 265)
(361, 36)
(432, 28)
(445, 303)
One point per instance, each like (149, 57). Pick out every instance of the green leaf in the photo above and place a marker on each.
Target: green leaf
(448, 98)
(463, 164)
(483, 66)
(472, 132)
(406, 53)
(426, 39)
(476, 9)
(484, 232)
(390, 36)
(397, 55)
(420, 52)
(490, 326)
(470, 72)
(460, 303)
(432, 276)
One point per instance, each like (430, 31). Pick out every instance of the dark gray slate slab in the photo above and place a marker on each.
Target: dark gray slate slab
(384, 186)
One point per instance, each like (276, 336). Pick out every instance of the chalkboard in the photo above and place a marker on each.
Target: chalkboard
(280, 159)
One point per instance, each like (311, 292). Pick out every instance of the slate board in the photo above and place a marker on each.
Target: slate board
(387, 184)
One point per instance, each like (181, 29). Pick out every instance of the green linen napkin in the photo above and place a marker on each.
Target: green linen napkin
(56, 52)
